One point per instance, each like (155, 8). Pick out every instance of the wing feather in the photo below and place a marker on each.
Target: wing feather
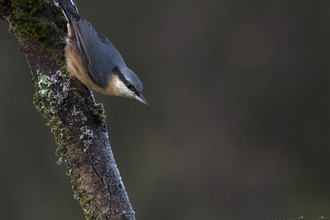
(99, 57)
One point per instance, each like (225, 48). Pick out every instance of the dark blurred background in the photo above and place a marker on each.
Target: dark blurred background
(238, 124)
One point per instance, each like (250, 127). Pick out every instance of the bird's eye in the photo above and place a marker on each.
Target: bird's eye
(129, 85)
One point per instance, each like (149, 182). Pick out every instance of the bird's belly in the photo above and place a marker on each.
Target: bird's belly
(76, 68)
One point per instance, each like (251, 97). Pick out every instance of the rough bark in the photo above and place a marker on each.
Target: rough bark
(75, 119)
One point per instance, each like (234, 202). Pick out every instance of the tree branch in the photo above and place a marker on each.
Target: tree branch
(77, 123)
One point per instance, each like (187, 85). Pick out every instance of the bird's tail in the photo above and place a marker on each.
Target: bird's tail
(69, 9)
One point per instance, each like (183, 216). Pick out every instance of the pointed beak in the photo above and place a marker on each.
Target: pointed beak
(141, 99)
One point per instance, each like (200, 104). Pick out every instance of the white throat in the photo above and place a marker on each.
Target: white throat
(122, 88)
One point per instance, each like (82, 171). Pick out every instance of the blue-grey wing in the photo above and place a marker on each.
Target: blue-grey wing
(99, 57)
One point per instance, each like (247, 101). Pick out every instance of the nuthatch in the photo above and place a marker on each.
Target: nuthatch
(94, 61)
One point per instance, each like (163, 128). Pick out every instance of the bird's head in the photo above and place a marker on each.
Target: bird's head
(129, 85)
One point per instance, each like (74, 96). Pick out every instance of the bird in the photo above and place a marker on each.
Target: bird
(94, 61)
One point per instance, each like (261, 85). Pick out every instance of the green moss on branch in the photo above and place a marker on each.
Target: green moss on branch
(41, 21)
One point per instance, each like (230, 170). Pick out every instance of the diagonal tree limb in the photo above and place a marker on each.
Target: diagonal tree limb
(75, 119)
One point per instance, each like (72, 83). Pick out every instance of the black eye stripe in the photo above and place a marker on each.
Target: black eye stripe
(115, 70)
(132, 88)
(128, 84)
